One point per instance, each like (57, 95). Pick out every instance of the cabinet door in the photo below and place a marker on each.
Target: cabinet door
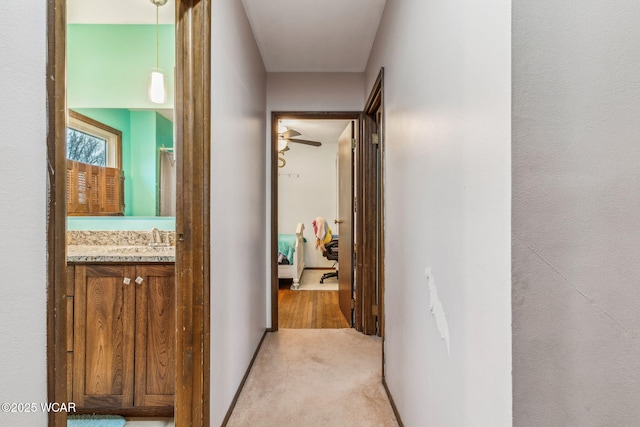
(103, 336)
(155, 364)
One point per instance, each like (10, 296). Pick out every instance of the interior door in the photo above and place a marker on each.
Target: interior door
(345, 219)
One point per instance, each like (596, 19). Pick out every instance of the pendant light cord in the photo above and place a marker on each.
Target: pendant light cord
(157, 37)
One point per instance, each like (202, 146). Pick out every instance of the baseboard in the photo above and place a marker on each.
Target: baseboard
(244, 379)
(393, 404)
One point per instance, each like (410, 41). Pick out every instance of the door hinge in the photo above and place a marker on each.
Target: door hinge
(374, 310)
(353, 143)
(375, 139)
(353, 304)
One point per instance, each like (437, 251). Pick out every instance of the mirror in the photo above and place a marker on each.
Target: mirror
(110, 57)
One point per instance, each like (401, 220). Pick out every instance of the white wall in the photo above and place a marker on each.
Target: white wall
(447, 188)
(308, 92)
(315, 92)
(576, 212)
(23, 192)
(306, 190)
(238, 150)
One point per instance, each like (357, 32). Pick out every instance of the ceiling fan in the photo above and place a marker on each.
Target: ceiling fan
(286, 135)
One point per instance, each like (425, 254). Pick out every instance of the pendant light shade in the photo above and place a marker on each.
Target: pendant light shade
(157, 89)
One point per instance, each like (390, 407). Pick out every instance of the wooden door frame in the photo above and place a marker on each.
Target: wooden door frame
(370, 216)
(275, 117)
(192, 99)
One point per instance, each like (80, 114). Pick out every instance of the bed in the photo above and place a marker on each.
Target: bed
(292, 247)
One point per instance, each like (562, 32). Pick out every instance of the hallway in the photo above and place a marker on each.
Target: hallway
(315, 377)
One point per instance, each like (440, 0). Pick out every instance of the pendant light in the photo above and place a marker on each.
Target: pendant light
(157, 90)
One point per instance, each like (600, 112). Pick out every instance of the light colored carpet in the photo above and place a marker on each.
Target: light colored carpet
(310, 281)
(315, 377)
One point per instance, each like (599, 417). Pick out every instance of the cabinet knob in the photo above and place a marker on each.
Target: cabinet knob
(126, 280)
(139, 280)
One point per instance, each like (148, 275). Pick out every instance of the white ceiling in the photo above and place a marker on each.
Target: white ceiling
(118, 12)
(313, 35)
(324, 131)
(292, 35)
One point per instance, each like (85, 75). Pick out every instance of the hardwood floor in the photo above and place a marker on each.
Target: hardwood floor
(309, 309)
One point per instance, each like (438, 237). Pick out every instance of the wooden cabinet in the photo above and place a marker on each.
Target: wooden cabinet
(94, 190)
(124, 339)
(155, 340)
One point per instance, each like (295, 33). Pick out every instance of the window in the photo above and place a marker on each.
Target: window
(95, 182)
(92, 142)
(86, 148)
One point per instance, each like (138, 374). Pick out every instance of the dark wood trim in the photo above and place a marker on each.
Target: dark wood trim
(193, 81)
(193, 22)
(366, 211)
(369, 214)
(56, 210)
(275, 116)
(381, 204)
(244, 380)
(273, 260)
(374, 209)
(393, 404)
(104, 127)
(373, 107)
(376, 95)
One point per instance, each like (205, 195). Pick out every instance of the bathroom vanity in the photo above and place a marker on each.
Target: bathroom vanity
(121, 326)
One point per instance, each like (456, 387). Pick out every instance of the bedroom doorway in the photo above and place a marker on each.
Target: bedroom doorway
(361, 285)
(305, 187)
(307, 199)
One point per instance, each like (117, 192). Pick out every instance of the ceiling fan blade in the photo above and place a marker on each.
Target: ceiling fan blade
(285, 149)
(289, 134)
(304, 141)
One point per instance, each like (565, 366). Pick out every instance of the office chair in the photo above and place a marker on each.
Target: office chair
(330, 253)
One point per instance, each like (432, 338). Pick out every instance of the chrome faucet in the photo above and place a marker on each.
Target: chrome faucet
(155, 238)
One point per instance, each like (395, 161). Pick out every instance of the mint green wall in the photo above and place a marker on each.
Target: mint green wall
(108, 69)
(164, 129)
(143, 132)
(143, 161)
(164, 138)
(108, 65)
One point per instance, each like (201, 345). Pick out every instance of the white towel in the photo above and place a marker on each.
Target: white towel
(320, 228)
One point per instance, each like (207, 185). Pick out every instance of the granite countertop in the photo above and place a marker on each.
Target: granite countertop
(120, 246)
(120, 253)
